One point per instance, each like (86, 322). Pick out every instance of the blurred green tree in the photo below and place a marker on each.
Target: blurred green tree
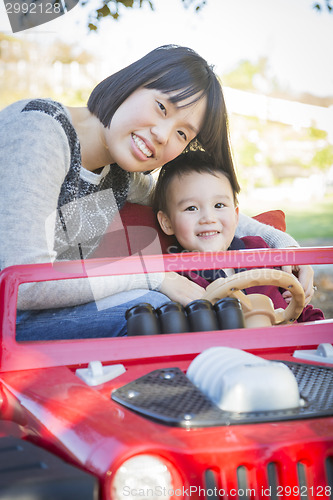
(248, 75)
(323, 158)
(111, 8)
(323, 5)
(247, 154)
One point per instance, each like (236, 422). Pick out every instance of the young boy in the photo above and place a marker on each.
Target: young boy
(195, 202)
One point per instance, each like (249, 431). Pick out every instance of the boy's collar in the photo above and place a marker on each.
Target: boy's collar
(236, 244)
(203, 278)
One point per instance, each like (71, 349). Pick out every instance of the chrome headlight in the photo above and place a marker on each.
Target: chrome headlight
(143, 476)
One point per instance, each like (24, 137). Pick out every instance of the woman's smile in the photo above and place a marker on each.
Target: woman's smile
(142, 146)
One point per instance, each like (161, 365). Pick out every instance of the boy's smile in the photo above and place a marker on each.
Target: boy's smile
(201, 212)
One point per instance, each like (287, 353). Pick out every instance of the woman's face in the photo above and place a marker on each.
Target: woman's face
(148, 130)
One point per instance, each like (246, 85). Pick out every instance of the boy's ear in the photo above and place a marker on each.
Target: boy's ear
(237, 213)
(165, 223)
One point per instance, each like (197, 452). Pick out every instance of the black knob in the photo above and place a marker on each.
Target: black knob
(229, 313)
(201, 316)
(142, 320)
(172, 318)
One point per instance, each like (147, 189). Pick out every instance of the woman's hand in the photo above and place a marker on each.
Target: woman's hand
(304, 274)
(180, 289)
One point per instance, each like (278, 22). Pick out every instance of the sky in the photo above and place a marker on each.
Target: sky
(296, 39)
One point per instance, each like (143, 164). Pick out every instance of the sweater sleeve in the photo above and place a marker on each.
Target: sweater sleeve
(34, 161)
(273, 237)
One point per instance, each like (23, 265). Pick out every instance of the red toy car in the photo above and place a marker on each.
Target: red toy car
(138, 425)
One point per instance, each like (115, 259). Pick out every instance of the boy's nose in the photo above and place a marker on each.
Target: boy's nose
(207, 216)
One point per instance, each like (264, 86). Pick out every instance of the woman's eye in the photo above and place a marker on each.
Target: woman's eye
(182, 134)
(192, 208)
(219, 205)
(161, 106)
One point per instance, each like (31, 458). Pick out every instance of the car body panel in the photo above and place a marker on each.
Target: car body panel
(45, 402)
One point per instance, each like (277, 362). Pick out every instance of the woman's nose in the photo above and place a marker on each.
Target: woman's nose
(161, 132)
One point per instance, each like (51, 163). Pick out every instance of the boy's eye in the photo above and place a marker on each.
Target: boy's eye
(192, 208)
(219, 205)
(182, 134)
(161, 106)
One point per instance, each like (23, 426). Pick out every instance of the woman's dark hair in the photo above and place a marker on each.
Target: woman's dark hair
(186, 163)
(172, 68)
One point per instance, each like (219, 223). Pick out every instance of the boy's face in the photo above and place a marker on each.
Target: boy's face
(201, 212)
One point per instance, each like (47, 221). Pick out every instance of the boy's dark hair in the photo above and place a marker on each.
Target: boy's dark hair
(186, 163)
(172, 68)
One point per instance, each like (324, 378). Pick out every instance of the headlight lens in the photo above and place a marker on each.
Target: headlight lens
(143, 477)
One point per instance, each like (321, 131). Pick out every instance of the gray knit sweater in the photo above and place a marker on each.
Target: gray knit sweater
(53, 209)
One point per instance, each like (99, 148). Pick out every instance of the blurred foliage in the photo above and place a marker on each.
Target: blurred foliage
(323, 5)
(14, 49)
(29, 70)
(67, 54)
(113, 8)
(69, 98)
(244, 75)
(315, 133)
(247, 153)
(323, 158)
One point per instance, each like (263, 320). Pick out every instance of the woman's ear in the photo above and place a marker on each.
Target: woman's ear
(165, 223)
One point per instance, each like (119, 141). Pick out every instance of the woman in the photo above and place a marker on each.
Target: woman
(66, 172)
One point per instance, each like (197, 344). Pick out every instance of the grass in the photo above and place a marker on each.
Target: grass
(312, 223)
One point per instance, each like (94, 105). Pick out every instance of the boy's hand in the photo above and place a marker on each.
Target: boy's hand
(304, 274)
(180, 289)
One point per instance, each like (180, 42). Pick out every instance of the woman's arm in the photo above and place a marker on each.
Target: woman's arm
(34, 161)
(273, 237)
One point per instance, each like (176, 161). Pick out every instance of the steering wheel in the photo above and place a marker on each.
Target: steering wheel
(258, 309)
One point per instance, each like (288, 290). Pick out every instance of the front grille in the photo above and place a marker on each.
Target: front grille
(329, 470)
(276, 480)
(272, 476)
